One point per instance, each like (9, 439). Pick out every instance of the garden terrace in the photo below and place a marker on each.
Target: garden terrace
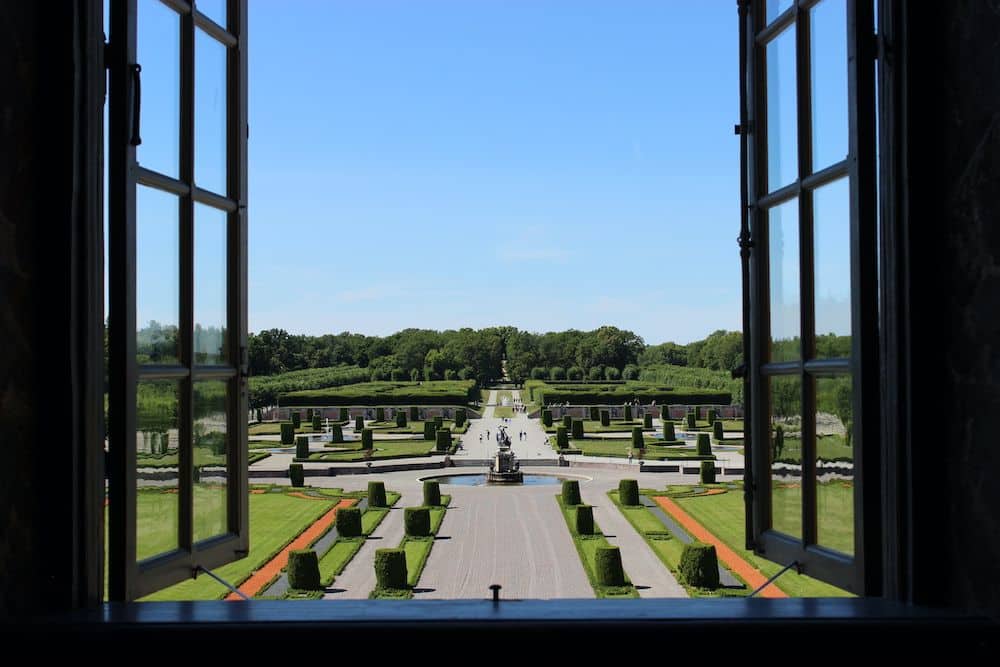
(617, 393)
(441, 392)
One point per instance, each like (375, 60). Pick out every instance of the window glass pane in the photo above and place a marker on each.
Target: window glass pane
(209, 285)
(775, 8)
(157, 275)
(156, 441)
(828, 63)
(786, 454)
(783, 258)
(782, 142)
(832, 264)
(213, 9)
(210, 447)
(209, 113)
(834, 463)
(158, 50)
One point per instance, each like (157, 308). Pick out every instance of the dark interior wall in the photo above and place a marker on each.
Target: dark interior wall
(953, 199)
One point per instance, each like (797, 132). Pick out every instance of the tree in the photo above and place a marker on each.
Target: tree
(844, 407)
(631, 372)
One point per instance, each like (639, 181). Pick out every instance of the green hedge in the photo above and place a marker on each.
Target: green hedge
(432, 493)
(699, 565)
(562, 441)
(707, 472)
(287, 433)
(414, 413)
(584, 520)
(717, 431)
(296, 475)
(417, 521)
(628, 413)
(668, 431)
(438, 423)
(442, 442)
(570, 492)
(429, 431)
(345, 415)
(301, 447)
(647, 420)
(595, 413)
(303, 570)
(637, 441)
(567, 422)
(690, 417)
(359, 423)
(296, 419)
(704, 445)
(547, 417)
(317, 423)
(336, 433)
(376, 494)
(460, 416)
(628, 492)
(605, 418)
(608, 566)
(380, 414)
(349, 522)
(710, 416)
(390, 568)
(577, 428)
(400, 418)
(439, 392)
(367, 439)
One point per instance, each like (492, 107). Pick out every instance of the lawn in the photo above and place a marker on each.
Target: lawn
(586, 548)
(336, 559)
(437, 392)
(620, 447)
(590, 426)
(503, 411)
(416, 427)
(417, 550)
(274, 428)
(384, 449)
(828, 448)
(202, 457)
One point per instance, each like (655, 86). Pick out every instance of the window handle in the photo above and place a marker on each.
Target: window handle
(135, 139)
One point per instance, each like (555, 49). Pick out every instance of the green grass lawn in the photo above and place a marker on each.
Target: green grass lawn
(503, 411)
(336, 559)
(828, 447)
(620, 448)
(202, 457)
(384, 449)
(416, 427)
(504, 394)
(274, 428)
(590, 426)
(417, 550)
(586, 548)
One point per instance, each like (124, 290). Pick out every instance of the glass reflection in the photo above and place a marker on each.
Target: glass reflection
(828, 65)
(211, 438)
(786, 454)
(210, 268)
(832, 266)
(158, 51)
(783, 267)
(210, 113)
(157, 277)
(835, 463)
(782, 124)
(157, 435)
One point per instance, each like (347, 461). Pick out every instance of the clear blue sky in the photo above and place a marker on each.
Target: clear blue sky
(547, 164)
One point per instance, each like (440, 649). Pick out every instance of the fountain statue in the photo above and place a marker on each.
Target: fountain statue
(505, 468)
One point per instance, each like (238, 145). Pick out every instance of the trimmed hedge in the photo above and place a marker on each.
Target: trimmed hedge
(567, 421)
(605, 418)
(547, 417)
(317, 423)
(303, 570)
(349, 522)
(699, 565)
(438, 423)
(690, 417)
(460, 416)
(647, 420)
(562, 441)
(668, 431)
(442, 442)
(287, 433)
(616, 393)
(390, 568)
(429, 431)
(380, 414)
(717, 430)
(345, 415)
(710, 415)
(595, 413)
(296, 475)
(367, 439)
(336, 433)
(417, 521)
(628, 413)
(438, 392)
(432, 493)
(637, 441)
(608, 566)
(359, 423)
(584, 520)
(376, 494)
(400, 418)
(309, 414)
(704, 445)
(707, 472)
(570, 492)
(628, 492)
(301, 447)
(414, 413)
(296, 419)
(577, 428)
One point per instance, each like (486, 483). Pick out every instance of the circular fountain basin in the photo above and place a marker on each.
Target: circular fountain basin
(479, 479)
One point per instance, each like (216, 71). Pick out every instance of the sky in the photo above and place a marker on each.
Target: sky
(546, 164)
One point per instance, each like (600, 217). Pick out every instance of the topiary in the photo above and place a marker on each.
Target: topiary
(460, 416)
(443, 439)
(710, 415)
(317, 423)
(390, 568)
(376, 494)
(349, 522)
(400, 418)
(570, 492)
(637, 441)
(367, 440)
(414, 413)
(547, 417)
(595, 413)
(608, 566)
(605, 418)
(567, 422)
(303, 570)
(708, 472)
(704, 445)
(296, 419)
(429, 432)
(359, 423)
(690, 420)
(647, 420)
(336, 433)
(699, 565)
(584, 520)
(668, 431)
(432, 493)
(301, 447)
(345, 415)
(778, 444)
(578, 428)
(287, 433)
(628, 413)
(438, 423)
(717, 431)
(296, 475)
(380, 414)
(562, 441)
(628, 492)
(309, 414)
(417, 521)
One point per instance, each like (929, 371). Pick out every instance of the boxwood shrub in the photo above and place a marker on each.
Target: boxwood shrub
(595, 413)
(414, 413)
(345, 415)
(699, 565)
(584, 520)
(608, 566)
(432, 493)
(708, 472)
(349, 522)
(547, 417)
(717, 430)
(400, 418)
(647, 420)
(301, 447)
(287, 433)
(429, 431)
(296, 475)
(690, 420)
(710, 415)
(303, 570)
(390, 568)
(380, 414)
(460, 416)
(570, 492)
(438, 422)
(359, 423)
(309, 414)
(704, 445)
(605, 418)
(296, 419)
(336, 433)
(567, 422)
(628, 492)
(577, 428)
(443, 440)
(637, 441)
(376, 494)
(417, 521)
(668, 431)
(366, 438)
(317, 423)
(628, 413)
(562, 441)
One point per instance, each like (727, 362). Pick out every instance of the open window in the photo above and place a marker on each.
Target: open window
(177, 286)
(809, 239)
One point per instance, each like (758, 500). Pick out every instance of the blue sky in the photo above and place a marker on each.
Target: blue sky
(545, 164)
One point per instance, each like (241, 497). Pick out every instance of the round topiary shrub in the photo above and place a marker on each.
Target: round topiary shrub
(628, 413)
(628, 492)
(349, 522)
(547, 417)
(367, 439)
(359, 423)
(595, 413)
(414, 413)
(301, 447)
(567, 422)
(577, 428)
(690, 420)
(287, 433)
(647, 420)
(704, 445)
(562, 440)
(605, 418)
(376, 494)
(668, 431)
(443, 440)
(336, 433)
(717, 431)
(432, 493)
(707, 472)
(380, 414)
(296, 475)
(584, 520)
(390, 568)
(303, 570)
(417, 521)
(699, 565)
(570, 492)
(460, 416)
(637, 441)
(345, 415)
(608, 566)
(400, 418)
(317, 423)
(296, 419)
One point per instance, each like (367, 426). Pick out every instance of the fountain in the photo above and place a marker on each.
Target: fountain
(505, 468)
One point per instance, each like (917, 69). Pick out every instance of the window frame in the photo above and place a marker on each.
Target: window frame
(127, 578)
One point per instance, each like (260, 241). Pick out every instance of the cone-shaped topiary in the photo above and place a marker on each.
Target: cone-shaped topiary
(317, 423)
(699, 565)
(577, 428)
(584, 520)
(637, 441)
(414, 413)
(704, 445)
(562, 441)
(349, 522)
(570, 492)
(710, 415)
(301, 447)
(417, 521)
(628, 413)
(359, 423)
(628, 492)
(296, 475)
(647, 420)
(595, 413)
(605, 418)
(380, 414)
(443, 441)
(547, 417)
(296, 419)
(432, 493)
(460, 416)
(608, 566)
(708, 472)
(429, 431)
(287, 433)
(390, 568)
(303, 570)
(400, 418)
(345, 415)
(568, 422)
(336, 433)
(366, 438)
(690, 420)
(717, 430)
(376, 494)
(668, 431)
